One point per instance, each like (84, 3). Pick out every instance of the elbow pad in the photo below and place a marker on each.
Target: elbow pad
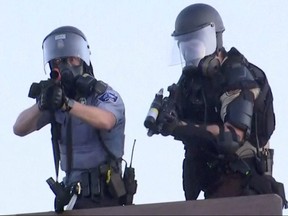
(239, 112)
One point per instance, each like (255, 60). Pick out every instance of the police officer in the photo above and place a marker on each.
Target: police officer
(89, 113)
(214, 112)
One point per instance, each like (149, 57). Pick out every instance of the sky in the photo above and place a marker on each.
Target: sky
(130, 45)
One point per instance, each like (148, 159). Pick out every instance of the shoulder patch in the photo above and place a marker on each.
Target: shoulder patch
(108, 97)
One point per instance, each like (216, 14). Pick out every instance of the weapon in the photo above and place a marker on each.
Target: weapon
(36, 88)
(161, 109)
(150, 120)
(63, 195)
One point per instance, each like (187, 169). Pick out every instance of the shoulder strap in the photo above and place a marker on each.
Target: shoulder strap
(261, 79)
(234, 54)
(69, 144)
(105, 147)
(55, 135)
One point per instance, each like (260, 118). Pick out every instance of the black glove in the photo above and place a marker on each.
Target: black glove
(43, 99)
(51, 98)
(168, 123)
(58, 98)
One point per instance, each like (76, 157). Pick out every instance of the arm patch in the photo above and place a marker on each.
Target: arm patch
(108, 97)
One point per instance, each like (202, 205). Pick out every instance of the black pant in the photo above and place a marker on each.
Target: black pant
(199, 172)
(217, 183)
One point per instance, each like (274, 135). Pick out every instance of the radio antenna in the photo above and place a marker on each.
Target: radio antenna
(132, 153)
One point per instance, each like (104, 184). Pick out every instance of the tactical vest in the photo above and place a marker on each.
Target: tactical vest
(200, 100)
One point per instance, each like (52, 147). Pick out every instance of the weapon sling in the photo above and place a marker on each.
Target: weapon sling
(55, 132)
(55, 135)
(69, 144)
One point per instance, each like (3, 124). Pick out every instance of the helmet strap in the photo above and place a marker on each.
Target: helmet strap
(88, 69)
(219, 40)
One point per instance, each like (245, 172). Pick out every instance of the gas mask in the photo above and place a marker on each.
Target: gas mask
(68, 75)
(209, 65)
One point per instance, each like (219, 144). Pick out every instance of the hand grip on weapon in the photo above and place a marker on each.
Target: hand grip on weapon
(46, 90)
(51, 97)
(168, 119)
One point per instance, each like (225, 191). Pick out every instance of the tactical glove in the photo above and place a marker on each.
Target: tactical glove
(58, 98)
(168, 124)
(43, 99)
(51, 98)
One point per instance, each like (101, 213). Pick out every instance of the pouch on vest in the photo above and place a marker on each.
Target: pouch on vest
(130, 184)
(95, 180)
(115, 183)
(85, 184)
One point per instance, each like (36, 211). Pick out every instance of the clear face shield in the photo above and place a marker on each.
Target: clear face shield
(63, 57)
(192, 47)
(59, 46)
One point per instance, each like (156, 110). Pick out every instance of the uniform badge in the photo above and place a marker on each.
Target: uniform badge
(108, 97)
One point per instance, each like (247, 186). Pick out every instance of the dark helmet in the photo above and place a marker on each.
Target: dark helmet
(66, 41)
(198, 34)
(197, 16)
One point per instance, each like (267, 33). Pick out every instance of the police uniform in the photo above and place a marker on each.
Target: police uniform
(91, 147)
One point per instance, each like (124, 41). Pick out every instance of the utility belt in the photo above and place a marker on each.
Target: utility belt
(261, 179)
(95, 183)
(259, 169)
(104, 180)
(261, 163)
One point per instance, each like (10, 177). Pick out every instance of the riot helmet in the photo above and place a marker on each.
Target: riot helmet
(66, 54)
(196, 16)
(198, 33)
(64, 42)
